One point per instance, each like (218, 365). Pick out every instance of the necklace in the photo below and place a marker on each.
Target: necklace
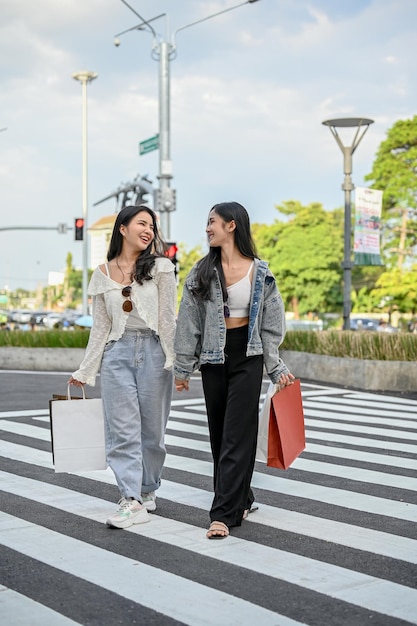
(122, 272)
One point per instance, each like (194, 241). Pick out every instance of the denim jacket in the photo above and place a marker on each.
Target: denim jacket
(201, 329)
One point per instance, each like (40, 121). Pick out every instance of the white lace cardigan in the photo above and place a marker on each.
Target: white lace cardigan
(155, 301)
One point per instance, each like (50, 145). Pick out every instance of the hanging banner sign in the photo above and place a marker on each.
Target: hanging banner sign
(366, 246)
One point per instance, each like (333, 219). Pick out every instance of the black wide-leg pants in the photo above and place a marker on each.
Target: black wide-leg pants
(232, 393)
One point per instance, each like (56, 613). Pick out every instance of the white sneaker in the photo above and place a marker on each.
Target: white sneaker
(129, 512)
(149, 500)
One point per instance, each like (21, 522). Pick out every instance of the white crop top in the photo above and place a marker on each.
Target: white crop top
(238, 296)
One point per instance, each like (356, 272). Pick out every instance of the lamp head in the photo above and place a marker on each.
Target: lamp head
(116, 42)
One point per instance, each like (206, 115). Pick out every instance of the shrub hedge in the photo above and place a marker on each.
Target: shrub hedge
(357, 345)
(375, 346)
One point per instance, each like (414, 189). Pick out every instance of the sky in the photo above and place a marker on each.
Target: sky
(249, 91)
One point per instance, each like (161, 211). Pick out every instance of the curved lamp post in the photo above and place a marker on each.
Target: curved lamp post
(164, 51)
(84, 78)
(361, 124)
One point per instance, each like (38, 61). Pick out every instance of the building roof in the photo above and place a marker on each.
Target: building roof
(104, 222)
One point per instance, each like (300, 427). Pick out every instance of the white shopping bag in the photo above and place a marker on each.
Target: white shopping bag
(77, 430)
(264, 413)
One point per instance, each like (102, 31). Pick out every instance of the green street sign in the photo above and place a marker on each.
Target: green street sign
(149, 144)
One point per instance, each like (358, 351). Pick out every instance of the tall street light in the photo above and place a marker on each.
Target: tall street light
(85, 77)
(164, 51)
(361, 124)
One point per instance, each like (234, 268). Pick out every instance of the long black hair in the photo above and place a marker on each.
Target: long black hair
(146, 259)
(228, 211)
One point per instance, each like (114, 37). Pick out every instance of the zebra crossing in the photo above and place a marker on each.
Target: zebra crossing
(334, 541)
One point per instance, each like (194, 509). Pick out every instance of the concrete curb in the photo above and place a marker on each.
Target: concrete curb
(397, 376)
(41, 359)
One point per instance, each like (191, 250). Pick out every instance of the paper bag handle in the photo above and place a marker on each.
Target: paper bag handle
(69, 392)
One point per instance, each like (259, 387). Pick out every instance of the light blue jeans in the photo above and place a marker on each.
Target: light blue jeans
(137, 393)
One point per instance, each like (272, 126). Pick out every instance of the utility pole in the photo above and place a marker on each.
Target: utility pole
(85, 77)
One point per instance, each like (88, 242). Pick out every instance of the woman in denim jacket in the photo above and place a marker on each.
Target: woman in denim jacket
(230, 325)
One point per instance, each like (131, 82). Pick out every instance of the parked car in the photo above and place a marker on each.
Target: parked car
(19, 316)
(304, 324)
(369, 323)
(53, 320)
(363, 323)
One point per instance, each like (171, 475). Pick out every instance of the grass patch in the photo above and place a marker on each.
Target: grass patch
(44, 338)
(354, 344)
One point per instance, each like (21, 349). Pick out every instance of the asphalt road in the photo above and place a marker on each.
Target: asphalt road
(334, 542)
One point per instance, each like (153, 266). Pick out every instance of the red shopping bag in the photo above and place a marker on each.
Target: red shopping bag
(286, 433)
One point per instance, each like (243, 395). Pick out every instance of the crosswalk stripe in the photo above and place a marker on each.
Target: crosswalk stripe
(387, 433)
(19, 610)
(133, 580)
(346, 585)
(360, 417)
(356, 407)
(29, 413)
(377, 401)
(362, 441)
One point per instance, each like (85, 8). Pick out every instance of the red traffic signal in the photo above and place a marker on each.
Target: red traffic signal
(171, 252)
(79, 229)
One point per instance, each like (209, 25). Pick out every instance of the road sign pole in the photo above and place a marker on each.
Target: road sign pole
(165, 173)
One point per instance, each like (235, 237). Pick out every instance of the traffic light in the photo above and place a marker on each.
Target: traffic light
(165, 202)
(171, 253)
(79, 229)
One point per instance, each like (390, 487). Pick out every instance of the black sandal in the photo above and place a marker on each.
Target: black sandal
(247, 511)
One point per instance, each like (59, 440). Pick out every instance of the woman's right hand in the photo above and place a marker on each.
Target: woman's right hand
(75, 382)
(181, 385)
(284, 381)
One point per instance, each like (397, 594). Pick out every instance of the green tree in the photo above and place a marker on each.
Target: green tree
(396, 289)
(305, 254)
(186, 258)
(69, 294)
(394, 171)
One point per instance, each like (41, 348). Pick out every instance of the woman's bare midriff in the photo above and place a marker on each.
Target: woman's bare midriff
(236, 322)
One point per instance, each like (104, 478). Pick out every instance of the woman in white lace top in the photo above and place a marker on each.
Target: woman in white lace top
(131, 342)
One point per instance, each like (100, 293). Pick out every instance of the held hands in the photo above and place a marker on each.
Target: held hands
(284, 381)
(181, 385)
(75, 382)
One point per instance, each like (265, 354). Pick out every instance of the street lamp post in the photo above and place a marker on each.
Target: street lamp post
(361, 124)
(164, 51)
(84, 77)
